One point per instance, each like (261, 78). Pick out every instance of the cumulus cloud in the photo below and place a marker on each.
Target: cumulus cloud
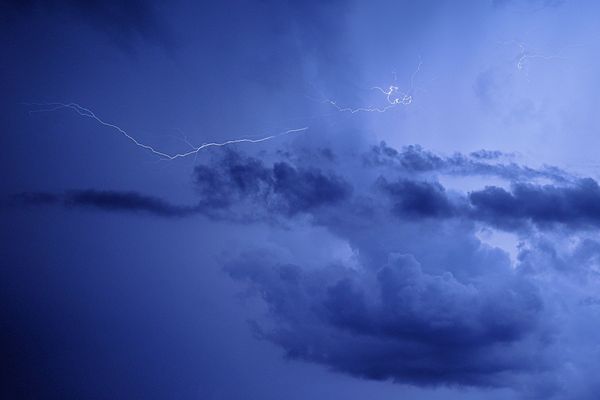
(280, 187)
(428, 303)
(397, 321)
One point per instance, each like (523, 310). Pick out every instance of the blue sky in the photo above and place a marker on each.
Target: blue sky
(420, 220)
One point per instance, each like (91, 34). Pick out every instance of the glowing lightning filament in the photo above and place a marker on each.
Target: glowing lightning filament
(393, 97)
(85, 112)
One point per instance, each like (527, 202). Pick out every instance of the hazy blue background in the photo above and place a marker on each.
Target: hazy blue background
(127, 305)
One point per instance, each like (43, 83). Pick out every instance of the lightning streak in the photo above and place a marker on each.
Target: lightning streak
(393, 97)
(86, 112)
(525, 55)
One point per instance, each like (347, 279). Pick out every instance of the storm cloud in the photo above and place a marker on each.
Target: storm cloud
(416, 160)
(280, 187)
(425, 301)
(106, 200)
(396, 321)
(575, 205)
(234, 185)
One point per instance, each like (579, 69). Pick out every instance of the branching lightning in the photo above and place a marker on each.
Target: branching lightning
(522, 60)
(525, 55)
(194, 150)
(393, 97)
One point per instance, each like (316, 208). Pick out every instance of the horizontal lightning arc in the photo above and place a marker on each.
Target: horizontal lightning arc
(86, 112)
(390, 94)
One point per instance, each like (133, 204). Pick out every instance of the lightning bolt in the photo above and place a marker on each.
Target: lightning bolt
(525, 55)
(393, 97)
(86, 112)
(522, 60)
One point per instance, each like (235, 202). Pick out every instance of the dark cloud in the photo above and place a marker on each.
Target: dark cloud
(238, 187)
(415, 159)
(122, 21)
(232, 178)
(108, 200)
(418, 198)
(400, 322)
(575, 205)
(422, 300)
(127, 202)
(281, 188)
(234, 187)
(303, 190)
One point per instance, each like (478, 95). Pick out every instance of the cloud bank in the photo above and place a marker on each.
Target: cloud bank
(426, 301)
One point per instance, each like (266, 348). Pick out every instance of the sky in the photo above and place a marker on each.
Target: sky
(299, 199)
